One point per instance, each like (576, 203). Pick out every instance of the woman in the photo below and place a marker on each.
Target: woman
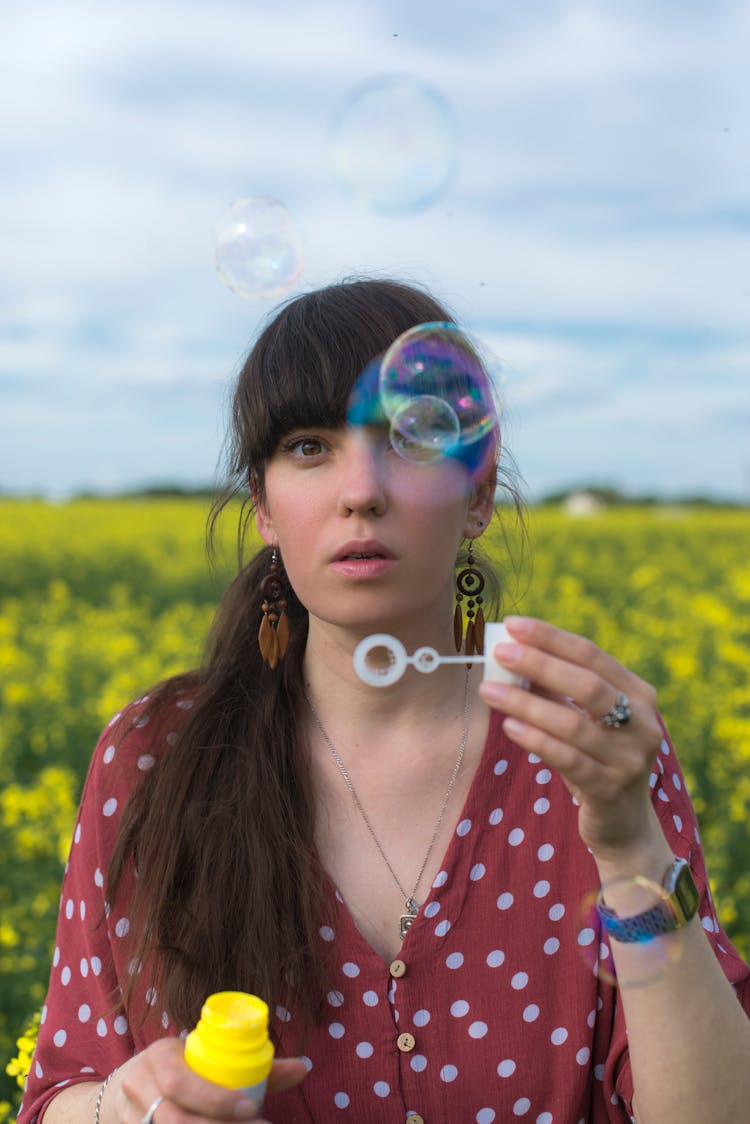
(400, 871)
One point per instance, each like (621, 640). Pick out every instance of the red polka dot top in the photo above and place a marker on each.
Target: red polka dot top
(499, 1006)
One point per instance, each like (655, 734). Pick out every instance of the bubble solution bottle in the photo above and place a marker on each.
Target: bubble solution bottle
(230, 1044)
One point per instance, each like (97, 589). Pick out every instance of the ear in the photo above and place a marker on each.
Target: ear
(264, 526)
(263, 520)
(480, 509)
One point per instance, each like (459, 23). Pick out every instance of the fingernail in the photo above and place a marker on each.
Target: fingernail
(497, 692)
(507, 653)
(513, 727)
(518, 625)
(245, 1109)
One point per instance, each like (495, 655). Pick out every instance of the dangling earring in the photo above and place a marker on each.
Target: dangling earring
(469, 583)
(273, 633)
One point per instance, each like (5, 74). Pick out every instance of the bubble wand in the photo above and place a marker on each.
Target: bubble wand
(427, 659)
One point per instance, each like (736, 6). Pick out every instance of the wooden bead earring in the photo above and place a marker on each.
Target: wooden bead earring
(273, 634)
(469, 585)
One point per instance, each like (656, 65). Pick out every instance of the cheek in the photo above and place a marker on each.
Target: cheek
(297, 532)
(427, 488)
(292, 507)
(437, 502)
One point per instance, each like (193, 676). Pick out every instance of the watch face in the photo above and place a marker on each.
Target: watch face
(686, 893)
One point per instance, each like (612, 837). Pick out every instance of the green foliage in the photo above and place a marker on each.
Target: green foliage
(100, 599)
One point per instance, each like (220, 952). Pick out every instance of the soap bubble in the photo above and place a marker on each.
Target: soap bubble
(423, 429)
(395, 143)
(641, 962)
(436, 361)
(258, 248)
(437, 400)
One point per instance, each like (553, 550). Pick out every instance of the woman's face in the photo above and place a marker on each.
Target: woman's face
(368, 539)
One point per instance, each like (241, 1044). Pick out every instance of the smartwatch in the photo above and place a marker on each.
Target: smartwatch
(679, 905)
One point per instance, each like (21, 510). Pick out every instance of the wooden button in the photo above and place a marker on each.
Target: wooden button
(414, 1118)
(406, 1042)
(397, 969)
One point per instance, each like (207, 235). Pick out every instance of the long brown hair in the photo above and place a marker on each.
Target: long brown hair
(221, 831)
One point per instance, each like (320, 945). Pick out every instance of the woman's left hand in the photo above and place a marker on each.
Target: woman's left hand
(573, 685)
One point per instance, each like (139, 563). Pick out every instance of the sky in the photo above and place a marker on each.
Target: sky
(594, 235)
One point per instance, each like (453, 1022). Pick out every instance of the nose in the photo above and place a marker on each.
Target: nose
(362, 490)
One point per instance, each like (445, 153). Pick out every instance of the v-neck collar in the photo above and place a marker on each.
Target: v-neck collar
(456, 848)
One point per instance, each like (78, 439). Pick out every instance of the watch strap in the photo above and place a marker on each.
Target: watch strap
(652, 922)
(673, 912)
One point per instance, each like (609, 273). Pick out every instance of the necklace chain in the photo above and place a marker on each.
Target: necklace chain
(410, 902)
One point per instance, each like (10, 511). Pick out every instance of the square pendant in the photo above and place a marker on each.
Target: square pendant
(405, 923)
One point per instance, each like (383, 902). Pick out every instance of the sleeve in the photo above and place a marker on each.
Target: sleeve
(84, 1033)
(678, 820)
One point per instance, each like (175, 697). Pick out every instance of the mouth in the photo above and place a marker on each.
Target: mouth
(363, 552)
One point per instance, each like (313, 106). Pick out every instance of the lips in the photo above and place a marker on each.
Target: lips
(356, 551)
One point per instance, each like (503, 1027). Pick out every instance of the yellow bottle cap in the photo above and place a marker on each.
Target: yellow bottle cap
(230, 1044)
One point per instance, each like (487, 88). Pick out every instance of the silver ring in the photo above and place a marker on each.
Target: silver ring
(149, 1117)
(617, 715)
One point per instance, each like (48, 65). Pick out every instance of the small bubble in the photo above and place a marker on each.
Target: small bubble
(258, 248)
(424, 428)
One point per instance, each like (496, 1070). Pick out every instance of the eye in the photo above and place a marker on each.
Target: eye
(304, 448)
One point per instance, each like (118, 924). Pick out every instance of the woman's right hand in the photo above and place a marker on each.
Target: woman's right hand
(161, 1071)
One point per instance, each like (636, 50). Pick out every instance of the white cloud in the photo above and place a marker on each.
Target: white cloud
(598, 230)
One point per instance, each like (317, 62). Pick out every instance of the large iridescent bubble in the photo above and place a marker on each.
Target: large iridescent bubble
(436, 391)
(395, 144)
(258, 248)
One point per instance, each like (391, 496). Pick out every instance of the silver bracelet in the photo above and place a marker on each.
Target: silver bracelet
(100, 1094)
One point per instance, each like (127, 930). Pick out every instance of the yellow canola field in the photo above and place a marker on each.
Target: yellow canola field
(99, 599)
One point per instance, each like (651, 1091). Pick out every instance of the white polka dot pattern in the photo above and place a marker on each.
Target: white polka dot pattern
(496, 1015)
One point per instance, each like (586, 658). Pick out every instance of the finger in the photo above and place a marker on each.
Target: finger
(588, 776)
(552, 718)
(166, 1073)
(556, 676)
(286, 1073)
(570, 647)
